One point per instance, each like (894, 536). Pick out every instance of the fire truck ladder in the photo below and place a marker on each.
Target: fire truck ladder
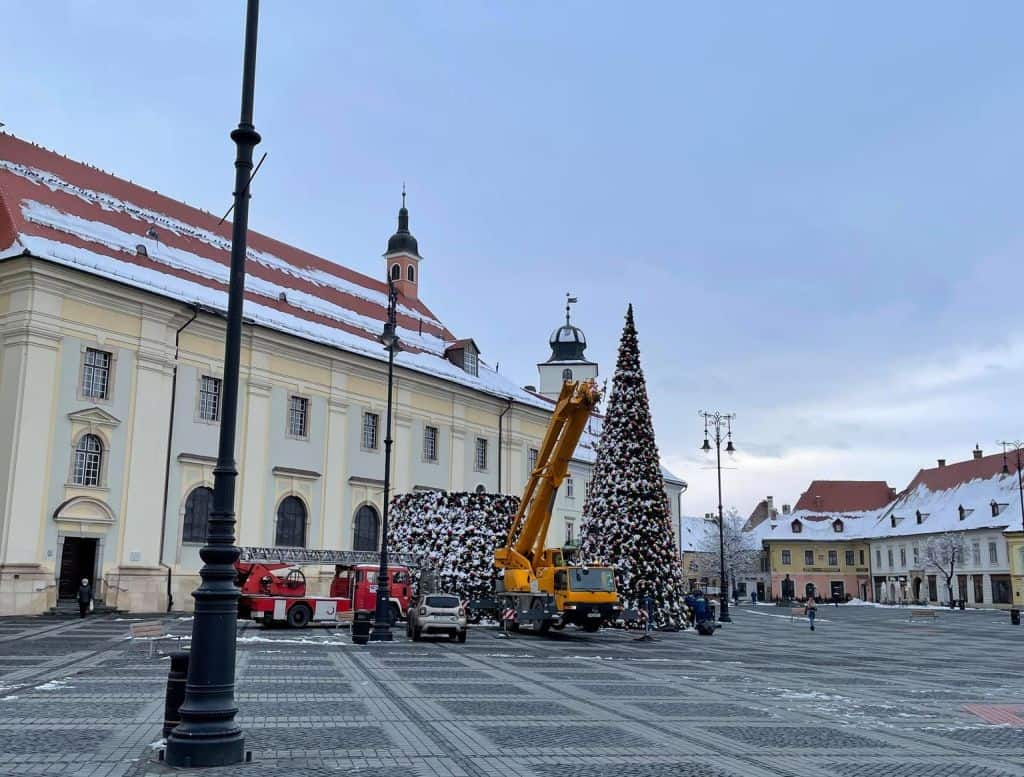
(312, 556)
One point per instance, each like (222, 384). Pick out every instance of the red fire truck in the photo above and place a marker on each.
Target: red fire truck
(274, 585)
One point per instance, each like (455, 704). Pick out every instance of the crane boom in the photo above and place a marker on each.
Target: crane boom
(576, 402)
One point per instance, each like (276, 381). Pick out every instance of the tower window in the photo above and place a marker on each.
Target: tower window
(410, 273)
(566, 374)
(396, 272)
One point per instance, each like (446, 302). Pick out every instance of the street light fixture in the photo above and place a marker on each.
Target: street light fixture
(1016, 446)
(208, 734)
(714, 422)
(382, 619)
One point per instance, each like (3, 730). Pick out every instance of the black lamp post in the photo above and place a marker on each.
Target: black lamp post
(208, 734)
(714, 422)
(1016, 446)
(382, 620)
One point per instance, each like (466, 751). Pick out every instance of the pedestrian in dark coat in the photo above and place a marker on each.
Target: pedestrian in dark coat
(811, 608)
(84, 597)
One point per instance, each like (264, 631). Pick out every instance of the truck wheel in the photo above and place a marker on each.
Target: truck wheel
(544, 627)
(299, 616)
(591, 627)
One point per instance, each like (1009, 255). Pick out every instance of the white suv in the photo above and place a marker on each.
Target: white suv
(436, 614)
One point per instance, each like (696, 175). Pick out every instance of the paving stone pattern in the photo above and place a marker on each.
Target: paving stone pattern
(762, 697)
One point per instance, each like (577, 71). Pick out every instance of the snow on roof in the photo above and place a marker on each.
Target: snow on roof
(688, 532)
(818, 527)
(61, 211)
(955, 497)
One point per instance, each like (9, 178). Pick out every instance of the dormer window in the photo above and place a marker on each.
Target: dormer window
(469, 363)
(921, 516)
(464, 354)
(997, 507)
(837, 526)
(796, 526)
(894, 520)
(964, 511)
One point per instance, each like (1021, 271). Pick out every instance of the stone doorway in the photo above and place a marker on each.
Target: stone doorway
(77, 561)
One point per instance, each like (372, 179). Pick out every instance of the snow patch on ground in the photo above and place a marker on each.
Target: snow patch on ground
(53, 685)
(798, 617)
(292, 641)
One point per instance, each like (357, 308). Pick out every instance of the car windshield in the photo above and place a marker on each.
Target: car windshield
(582, 579)
(442, 601)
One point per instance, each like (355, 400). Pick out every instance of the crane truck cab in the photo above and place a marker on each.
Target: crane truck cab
(538, 583)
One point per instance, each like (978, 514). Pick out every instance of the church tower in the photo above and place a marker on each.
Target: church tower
(567, 361)
(402, 259)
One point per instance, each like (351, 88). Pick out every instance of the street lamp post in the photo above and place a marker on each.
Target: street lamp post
(714, 422)
(382, 619)
(208, 734)
(1016, 446)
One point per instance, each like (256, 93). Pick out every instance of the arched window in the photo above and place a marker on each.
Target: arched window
(566, 374)
(197, 515)
(796, 526)
(291, 523)
(367, 529)
(481, 489)
(88, 461)
(396, 272)
(411, 273)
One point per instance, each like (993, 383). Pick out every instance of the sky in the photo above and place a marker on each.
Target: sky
(814, 208)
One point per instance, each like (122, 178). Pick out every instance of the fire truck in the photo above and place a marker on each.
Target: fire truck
(274, 593)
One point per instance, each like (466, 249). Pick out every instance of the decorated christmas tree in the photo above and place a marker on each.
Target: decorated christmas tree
(454, 535)
(627, 521)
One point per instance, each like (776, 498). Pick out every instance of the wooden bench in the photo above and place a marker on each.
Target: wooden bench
(932, 614)
(797, 612)
(150, 631)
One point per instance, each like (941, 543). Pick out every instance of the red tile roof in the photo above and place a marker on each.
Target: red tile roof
(838, 496)
(960, 472)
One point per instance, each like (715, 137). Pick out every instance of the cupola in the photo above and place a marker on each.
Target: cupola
(402, 259)
(568, 361)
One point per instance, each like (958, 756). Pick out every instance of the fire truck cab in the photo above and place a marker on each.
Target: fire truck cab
(273, 586)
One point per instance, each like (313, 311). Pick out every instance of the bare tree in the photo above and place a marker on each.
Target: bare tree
(944, 552)
(741, 550)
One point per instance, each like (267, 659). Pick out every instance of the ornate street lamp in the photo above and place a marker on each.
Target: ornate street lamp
(1016, 446)
(382, 619)
(208, 734)
(714, 422)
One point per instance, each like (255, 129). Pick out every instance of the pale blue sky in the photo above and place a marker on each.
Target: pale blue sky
(815, 209)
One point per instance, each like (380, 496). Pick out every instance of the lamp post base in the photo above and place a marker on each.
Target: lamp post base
(381, 633)
(724, 618)
(191, 751)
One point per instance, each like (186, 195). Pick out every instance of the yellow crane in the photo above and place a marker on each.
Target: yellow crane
(545, 591)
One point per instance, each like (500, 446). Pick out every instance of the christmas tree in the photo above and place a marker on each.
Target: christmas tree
(627, 521)
(454, 535)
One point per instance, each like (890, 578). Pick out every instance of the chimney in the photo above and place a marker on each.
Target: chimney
(785, 509)
(771, 502)
(977, 451)
(942, 463)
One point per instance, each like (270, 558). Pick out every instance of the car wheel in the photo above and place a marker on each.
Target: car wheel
(462, 636)
(299, 616)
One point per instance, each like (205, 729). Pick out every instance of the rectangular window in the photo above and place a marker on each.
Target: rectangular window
(808, 558)
(531, 459)
(568, 532)
(861, 557)
(96, 374)
(979, 589)
(976, 553)
(891, 565)
(298, 416)
(480, 455)
(878, 557)
(469, 363)
(903, 556)
(833, 558)
(917, 555)
(371, 426)
(933, 589)
(570, 488)
(209, 398)
(787, 559)
(849, 558)
(430, 443)
(993, 554)
(1001, 591)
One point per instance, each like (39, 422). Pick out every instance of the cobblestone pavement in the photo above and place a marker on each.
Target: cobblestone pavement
(868, 694)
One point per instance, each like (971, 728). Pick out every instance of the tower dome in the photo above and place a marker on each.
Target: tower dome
(567, 342)
(403, 242)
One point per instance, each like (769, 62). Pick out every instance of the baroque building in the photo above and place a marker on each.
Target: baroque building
(111, 309)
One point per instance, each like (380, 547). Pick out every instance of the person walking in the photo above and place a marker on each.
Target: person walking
(84, 597)
(811, 608)
(753, 598)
